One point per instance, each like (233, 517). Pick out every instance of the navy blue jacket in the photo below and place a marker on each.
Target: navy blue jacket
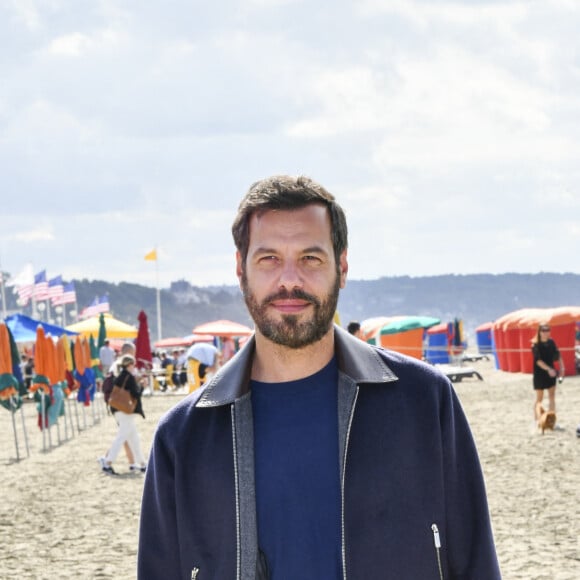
(414, 503)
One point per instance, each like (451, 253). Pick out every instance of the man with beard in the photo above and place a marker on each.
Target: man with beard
(312, 455)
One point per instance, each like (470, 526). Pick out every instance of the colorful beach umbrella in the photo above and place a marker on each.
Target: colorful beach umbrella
(102, 331)
(143, 343)
(40, 380)
(114, 328)
(9, 386)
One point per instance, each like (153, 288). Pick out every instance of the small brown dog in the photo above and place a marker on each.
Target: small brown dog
(546, 419)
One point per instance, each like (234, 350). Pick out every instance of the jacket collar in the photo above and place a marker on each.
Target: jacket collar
(358, 360)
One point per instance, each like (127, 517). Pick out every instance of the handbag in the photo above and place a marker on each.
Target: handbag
(121, 399)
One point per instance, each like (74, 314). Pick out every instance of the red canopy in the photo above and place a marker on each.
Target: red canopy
(183, 340)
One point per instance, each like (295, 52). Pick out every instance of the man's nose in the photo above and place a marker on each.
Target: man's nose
(290, 275)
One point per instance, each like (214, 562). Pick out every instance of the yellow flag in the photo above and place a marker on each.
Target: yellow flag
(152, 255)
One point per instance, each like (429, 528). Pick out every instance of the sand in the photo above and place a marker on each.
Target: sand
(62, 518)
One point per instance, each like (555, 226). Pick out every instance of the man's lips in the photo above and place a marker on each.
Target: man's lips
(290, 306)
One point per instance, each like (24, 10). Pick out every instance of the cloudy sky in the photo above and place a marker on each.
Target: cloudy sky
(448, 130)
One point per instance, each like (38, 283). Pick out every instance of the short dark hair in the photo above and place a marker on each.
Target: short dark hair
(284, 192)
(353, 327)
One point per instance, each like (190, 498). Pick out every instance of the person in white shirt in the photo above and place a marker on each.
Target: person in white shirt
(107, 355)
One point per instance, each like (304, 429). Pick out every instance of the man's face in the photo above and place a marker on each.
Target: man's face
(290, 279)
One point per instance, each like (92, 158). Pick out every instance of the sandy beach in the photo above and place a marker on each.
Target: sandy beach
(62, 518)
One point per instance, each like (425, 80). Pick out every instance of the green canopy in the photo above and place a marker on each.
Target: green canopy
(403, 323)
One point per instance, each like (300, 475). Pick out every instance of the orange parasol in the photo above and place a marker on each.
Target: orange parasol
(79, 356)
(40, 379)
(8, 383)
(60, 360)
(50, 359)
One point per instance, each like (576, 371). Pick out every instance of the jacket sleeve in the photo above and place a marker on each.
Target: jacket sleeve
(158, 554)
(468, 538)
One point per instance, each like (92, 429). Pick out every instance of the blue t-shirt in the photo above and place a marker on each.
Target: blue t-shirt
(298, 476)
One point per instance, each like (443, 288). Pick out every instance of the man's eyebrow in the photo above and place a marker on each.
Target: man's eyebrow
(308, 250)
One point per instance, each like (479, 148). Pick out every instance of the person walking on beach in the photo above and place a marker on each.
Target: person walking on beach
(127, 428)
(127, 348)
(106, 356)
(546, 354)
(312, 455)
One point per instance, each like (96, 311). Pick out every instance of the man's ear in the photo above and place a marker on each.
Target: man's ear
(343, 268)
(239, 266)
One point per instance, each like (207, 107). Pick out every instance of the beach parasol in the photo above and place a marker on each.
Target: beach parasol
(9, 386)
(223, 328)
(95, 360)
(204, 353)
(40, 380)
(143, 343)
(102, 331)
(23, 328)
(115, 328)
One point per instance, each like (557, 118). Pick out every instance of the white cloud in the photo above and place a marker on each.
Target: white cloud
(126, 127)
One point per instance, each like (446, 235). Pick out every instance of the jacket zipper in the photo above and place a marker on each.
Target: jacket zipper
(437, 543)
(236, 483)
(342, 484)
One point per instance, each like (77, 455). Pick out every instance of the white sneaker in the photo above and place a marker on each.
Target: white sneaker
(135, 467)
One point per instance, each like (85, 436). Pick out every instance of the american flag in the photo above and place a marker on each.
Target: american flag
(68, 296)
(25, 293)
(103, 305)
(55, 287)
(91, 309)
(40, 291)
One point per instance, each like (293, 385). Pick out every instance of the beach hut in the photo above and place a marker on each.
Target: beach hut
(483, 338)
(514, 332)
(403, 334)
(438, 343)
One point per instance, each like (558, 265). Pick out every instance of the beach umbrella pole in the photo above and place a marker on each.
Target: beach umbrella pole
(12, 411)
(93, 413)
(65, 413)
(58, 432)
(78, 418)
(24, 431)
(42, 420)
(70, 417)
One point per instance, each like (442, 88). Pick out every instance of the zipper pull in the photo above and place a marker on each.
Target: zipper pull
(436, 537)
(194, 573)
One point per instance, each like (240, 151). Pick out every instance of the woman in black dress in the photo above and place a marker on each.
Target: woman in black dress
(545, 353)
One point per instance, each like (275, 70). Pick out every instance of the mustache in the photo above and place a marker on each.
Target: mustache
(295, 294)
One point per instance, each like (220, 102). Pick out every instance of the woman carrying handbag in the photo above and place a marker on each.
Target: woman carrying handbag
(126, 421)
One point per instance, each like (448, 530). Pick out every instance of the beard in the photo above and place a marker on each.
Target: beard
(290, 331)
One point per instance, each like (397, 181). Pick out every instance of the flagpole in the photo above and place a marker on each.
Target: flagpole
(158, 295)
(3, 292)
(3, 296)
